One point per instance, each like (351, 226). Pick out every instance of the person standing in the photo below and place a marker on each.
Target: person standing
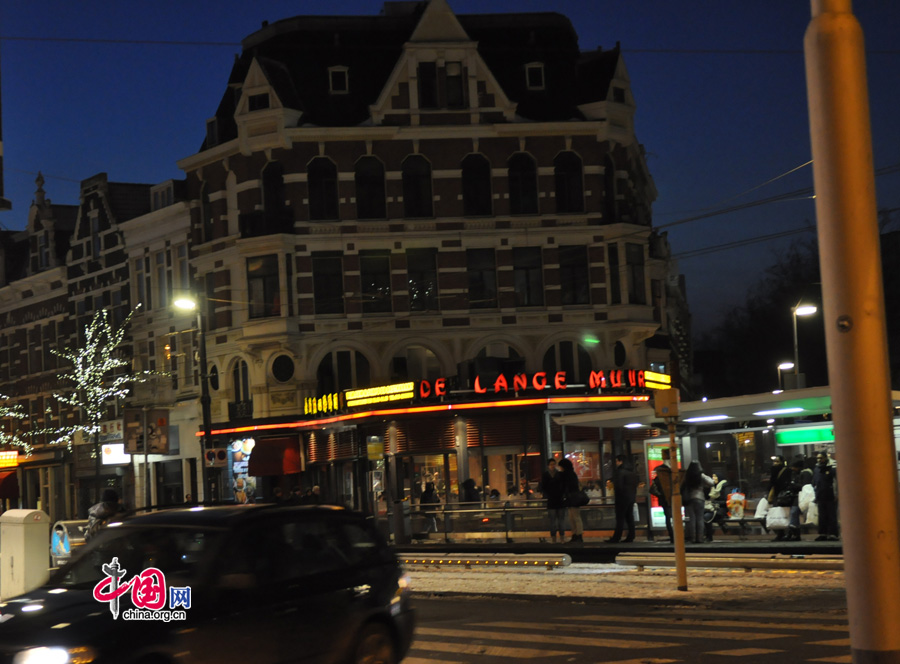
(692, 490)
(779, 483)
(825, 486)
(624, 483)
(662, 489)
(716, 503)
(552, 488)
(572, 488)
(427, 502)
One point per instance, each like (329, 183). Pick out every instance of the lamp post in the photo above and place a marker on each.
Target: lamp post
(784, 366)
(799, 309)
(186, 303)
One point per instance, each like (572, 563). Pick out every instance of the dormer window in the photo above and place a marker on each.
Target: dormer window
(534, 75)
(43, 252)
(618, 94)
(338, 80)
(258, 102)
(212, 132)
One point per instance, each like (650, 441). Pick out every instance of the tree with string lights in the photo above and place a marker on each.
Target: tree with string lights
(99, 375)
(14, 412)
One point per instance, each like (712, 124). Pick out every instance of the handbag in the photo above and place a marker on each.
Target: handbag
(577, 498)
(785, 498)
(778, 518)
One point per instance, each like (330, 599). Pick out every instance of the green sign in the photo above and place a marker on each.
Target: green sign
(804, 436)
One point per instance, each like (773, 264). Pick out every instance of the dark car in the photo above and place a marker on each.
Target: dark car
(249, 583)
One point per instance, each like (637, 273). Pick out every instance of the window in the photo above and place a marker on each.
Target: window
(476, 185)
(527, 276)
(240, 378)
(262, 286)
(523, 192)
(212, 132)
(573, 275)
(206, 218)
(95, 234)
(283, 368)
(612, 262)
(569, 182)
(375, 280)
(328, 283)
(415, 363)
(610, 204)
(570, 357)
(273, 186)
(258, 102)
(342, 370)
(43, 250)
(482, 272)
(338, 81)
(618, 94)
(182, 268)
(421, 267)
(634, 262)
(417, 200)
(534, 76)
(162, 282)
(370, 199)
(427, 80)
(455, 85)
(323, 190)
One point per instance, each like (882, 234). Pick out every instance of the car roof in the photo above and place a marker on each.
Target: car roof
(224, 516)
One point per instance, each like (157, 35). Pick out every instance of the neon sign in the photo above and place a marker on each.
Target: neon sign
(381, 394)
(9, 459)
(540, 381)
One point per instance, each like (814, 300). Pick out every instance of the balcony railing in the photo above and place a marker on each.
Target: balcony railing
(240, 410)
(266, 222)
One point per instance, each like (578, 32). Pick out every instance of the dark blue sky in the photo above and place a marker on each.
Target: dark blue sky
(720, 88)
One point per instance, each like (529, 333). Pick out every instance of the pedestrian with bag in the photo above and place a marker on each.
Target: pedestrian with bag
(825, 486)
(624, 483)
(780, 499)
(661, 487)
(575, 498)
(427, 502)
(692, 492)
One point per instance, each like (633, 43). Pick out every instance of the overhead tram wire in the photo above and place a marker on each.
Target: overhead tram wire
(694, 253)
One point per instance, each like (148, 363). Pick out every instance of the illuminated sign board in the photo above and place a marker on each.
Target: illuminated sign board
(113, 454)
(382, 394)
(327, 403)
(804, 436)
(9, 459)
(540, 381)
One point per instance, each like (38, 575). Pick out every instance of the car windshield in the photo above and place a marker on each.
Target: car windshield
(178, 552)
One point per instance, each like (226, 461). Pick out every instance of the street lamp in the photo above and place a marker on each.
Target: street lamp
(187, 303)
(784, 366)
(799, 309)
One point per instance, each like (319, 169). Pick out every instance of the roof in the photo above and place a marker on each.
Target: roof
(218, 516)
(811, 401)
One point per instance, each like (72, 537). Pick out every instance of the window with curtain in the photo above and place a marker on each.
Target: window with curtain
(263, 286)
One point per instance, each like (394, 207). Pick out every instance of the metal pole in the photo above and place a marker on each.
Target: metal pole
(148, 499)
(677, 522)
(850, 259)
(796, 348)
(204, 401)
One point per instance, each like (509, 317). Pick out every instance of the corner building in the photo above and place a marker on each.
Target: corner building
(413, 196)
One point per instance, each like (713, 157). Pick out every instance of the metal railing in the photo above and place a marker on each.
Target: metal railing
(509, 520)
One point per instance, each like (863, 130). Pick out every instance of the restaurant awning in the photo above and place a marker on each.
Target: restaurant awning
(9, 485)
(275, 456)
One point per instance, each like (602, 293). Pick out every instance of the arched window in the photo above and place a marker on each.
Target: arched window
(417, 199)
(569, 182)
(570, 357)
(523, 191)
(476, 185)
(273, 187)
(610, 205)
(242, 406)
(415, 363)
(321, 177)
(342, 370)
(370, 200)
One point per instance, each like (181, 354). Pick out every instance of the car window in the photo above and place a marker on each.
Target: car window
(177, 552)
(362, 546)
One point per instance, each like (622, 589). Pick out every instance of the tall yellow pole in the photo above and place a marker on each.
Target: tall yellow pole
(677, 521)
(850, 261)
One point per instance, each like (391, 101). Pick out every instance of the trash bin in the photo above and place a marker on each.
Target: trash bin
(401, 522)
(65, 538)
(24, 559)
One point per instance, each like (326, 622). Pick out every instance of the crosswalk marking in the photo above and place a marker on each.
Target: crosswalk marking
(490, 651)
(743, 652)
(834, 642)
(741, 613)
(642, 631)
(840, 659)
(551, 639)
(718, 623)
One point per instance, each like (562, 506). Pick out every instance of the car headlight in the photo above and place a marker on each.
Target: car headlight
(56, 655)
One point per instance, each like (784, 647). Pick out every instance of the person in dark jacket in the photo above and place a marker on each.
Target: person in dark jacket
(793, 534)
(779, 482)
(100, 514)
(663, 485)
(624, 483)
(571, 487)
(552, 488)
(825, 486)
(469, 493)
(427, 502)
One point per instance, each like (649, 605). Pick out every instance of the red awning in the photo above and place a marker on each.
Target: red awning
(9, 485)
(275, 456)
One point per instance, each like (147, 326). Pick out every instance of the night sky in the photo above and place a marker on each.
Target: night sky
(720, 88)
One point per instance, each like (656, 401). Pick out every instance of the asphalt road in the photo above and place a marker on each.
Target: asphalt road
(489, 630)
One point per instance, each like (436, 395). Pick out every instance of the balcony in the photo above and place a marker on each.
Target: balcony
(266, 222)
(240, 410)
